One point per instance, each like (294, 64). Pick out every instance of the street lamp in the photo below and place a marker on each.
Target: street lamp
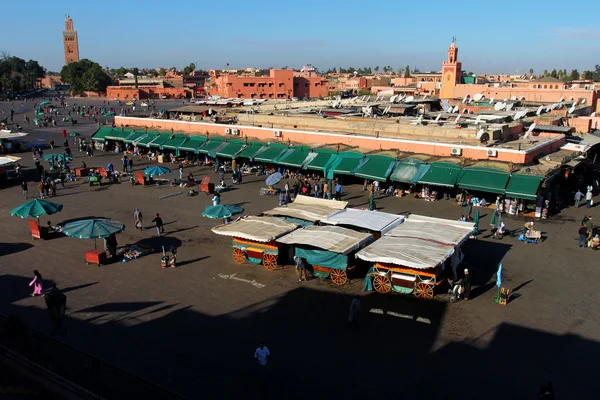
(56, 302)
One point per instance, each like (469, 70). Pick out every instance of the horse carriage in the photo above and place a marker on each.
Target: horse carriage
(328, 250)
(411, 258)
(253, 239)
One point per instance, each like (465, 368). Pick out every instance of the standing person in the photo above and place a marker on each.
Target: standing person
(52, 188)
(376, 187)
(354, 308)
(216, 200)
(300, 269)
(131, 164)
(469, 210)
(125, 162)
(261, 354)
(588, 199)
(24, 188)
(287, 188)
(317, 189)
(159, 224)
(52, 145)
(338, 191)
(64, 133)
(325, 189)
(180, 170)
(466, 280)
(37, 283)
(41, 189)
(590, 227)
(578, 197)
(138, 219)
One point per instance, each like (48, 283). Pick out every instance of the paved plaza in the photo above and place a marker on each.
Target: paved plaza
(193, 329)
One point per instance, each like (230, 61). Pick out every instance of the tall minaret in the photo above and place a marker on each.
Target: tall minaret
(451, 72)
(70, 42)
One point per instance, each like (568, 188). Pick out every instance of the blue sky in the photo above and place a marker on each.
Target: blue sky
(262, 33)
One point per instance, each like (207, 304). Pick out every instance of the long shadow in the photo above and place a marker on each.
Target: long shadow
(180, 230)
(80, 219)
(120, 307)
(522, 285)
(482, 259)
(186, 262)
(11, 248)
(72, 288)
(157, 242)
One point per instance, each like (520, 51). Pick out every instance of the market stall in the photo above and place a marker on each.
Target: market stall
(410, 258)
(328, 250)
(306, 210)
(253, 239)
(374, 222)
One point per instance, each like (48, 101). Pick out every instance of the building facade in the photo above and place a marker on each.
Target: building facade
(279, 84)
(70, 42)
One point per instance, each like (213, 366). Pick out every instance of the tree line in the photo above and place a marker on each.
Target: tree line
(574, 75)
(17, 75)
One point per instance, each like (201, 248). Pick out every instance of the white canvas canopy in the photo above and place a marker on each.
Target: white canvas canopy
(308, 208)
(8, 135)
(331, 238)
(420, 242)
(374, 221)
(8, 160)
(258, 229)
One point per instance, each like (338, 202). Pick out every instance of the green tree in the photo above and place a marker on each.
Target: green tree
(376, 68)
(162, 72)
(554, 74)
(560, 74)
(545, 72)
(574, 75)
(85, 75)
(407, 71)
(530, 71)
(120, 72)
(188, 69)
(17, 74)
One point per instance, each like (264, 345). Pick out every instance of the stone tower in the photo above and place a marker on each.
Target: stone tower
(70, 42)
(451, 72)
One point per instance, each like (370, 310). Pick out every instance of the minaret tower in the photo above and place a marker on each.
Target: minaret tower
(70, 42)
(451, 72)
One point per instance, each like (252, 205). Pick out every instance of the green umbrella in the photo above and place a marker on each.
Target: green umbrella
(74, 134)
(222, 211)
(43, 103)
(476, 223)
(92, 229)
(493, 219)
(36, 208)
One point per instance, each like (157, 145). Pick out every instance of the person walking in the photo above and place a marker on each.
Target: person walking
(588, 199)
(589, 224)
(325, 189)
(578, 197)
(37, 283)
(159, 224)
(317, 189)
(24, 188)
(138, 219)
(180, 171)
(52, 188)
(582, 236)
(354, 309)
(466, 280)
(300, 268)
(261, 355)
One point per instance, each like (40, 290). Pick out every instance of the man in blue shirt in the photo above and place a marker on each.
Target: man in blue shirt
(338, 191)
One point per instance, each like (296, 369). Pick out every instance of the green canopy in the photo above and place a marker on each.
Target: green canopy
(442, 174)
(484, 179)
(193, 144)
(320, 158)
(233, 147)
(523, 186)
(376, 167)
(161, 139)
(174, 142)
(344, 163)
(145, 140)
(271, 153)
(213, 145)
(118, 134)
(100, 134)
(409, 171)
(135, 137)
(36, 208)
(294, 157)
(322, 258)
(251, 149)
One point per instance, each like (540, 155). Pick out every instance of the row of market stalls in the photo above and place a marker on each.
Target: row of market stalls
(332, 163)
(404, 254)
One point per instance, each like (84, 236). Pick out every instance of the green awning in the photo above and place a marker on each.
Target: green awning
(251, 150)
(143, 142)
(101, 134)
(294, 157)
(161, 139)
(345, 163)
(320, 158)
(193, 143)
(272, 153)
(484, 179)
(233, 147)
(212, 146)
(376, 168)
(523, 186)
(174, 142)
(135, 137)
(409, 171)
(118, 134)
(442, 174)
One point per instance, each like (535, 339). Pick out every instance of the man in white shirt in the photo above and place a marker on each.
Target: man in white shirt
(588, 199)
(261, 354)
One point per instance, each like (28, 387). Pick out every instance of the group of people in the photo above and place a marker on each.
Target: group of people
(138, 220)
(586, 234)
(589, 197)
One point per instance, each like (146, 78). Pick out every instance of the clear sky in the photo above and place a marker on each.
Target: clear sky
(493, 37)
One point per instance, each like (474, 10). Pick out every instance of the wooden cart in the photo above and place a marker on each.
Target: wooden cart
(390, 277)
(255, 252)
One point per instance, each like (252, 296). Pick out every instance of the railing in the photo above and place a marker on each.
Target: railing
(73, 369)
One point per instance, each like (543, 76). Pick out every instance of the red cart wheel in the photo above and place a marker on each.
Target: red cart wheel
(338, 276)
(382, 284)
(270, 262)
(238, 256)
(424, 291)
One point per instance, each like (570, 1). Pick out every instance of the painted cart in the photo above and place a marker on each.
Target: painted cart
(411, 258)
(253, 239)
(328, 250)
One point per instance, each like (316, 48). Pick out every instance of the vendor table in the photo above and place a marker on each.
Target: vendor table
(97, 257)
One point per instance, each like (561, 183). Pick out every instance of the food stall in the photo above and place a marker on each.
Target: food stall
(375, 222)
(306, 210)
(253, 239)
(411, 257)
(328, 250)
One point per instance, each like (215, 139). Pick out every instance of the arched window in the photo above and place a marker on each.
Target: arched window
(556, 87)
(545, 86)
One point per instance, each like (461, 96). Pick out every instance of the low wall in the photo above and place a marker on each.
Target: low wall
(315, 138)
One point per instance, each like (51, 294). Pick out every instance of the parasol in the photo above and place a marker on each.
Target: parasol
(273, 179)
(157, 170)
(222, 211)
(92, 229)
(476, 223)
(36, 208)
(45, 102)
(74, 134)
(493, 219)
(60, 158)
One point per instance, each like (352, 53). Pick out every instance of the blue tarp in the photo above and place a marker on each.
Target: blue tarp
(322, 258)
